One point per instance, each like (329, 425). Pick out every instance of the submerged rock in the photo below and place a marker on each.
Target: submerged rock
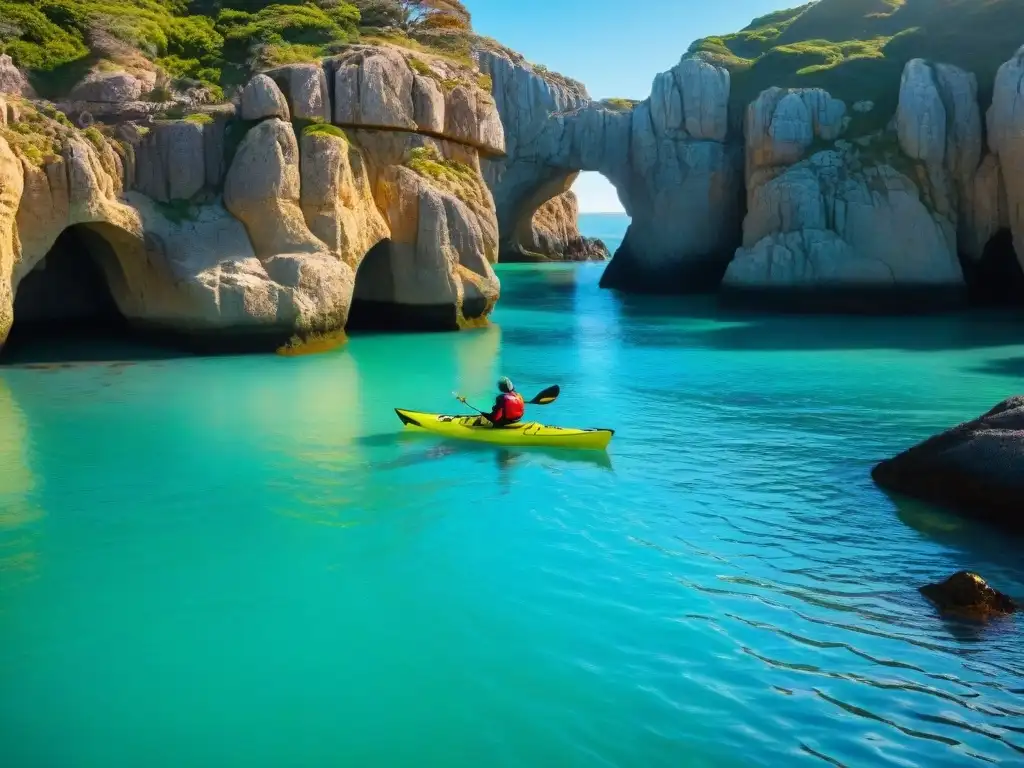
(976, 468)
(967, 595)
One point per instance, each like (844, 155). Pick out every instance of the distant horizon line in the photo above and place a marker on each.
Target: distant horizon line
(604, 213)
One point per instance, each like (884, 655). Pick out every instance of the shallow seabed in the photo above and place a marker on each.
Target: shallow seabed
(241, 562)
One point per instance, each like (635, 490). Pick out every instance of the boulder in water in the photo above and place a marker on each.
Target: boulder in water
(967, 595)
(976, 468)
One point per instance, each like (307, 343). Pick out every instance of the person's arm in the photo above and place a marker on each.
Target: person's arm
(499, 409)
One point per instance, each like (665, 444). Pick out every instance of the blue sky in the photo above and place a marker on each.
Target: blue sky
(615, 47)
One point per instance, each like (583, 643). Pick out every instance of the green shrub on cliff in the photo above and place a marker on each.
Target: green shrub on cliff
(38, 135)
(199, 118)
(450, 175)
(856, 49)
(619, 104)
(213, 43)
(209, 42)
(325, 129)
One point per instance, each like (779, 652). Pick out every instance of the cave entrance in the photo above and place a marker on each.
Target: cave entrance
(375, 304)
(395, 293)
(64, 309)
(996, 279)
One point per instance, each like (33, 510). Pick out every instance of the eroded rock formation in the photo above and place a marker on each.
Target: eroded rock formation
(846, 208)
(846, 226)
(553, 234)
(383, 183)
(678, 177)
(900, 218)
(248, 232)
(976, 468)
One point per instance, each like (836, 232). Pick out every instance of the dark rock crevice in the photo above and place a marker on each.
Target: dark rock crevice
(65, 298)
(996, 279)
(376, 305)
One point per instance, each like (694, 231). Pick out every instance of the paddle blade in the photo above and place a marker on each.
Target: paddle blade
(549, 395)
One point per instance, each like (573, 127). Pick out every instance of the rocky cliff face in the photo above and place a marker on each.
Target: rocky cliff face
(839, 213)
(253, 229)
(834, 226)
(898, 219)
(678, 177)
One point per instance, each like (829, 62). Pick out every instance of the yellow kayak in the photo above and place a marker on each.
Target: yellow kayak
(524, 433)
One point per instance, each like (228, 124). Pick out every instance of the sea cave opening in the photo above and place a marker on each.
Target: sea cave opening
(373, 297)
(996, 279)
(395, 292)
(64, 307)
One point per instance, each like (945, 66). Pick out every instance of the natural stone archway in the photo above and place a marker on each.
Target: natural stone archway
(677, 172)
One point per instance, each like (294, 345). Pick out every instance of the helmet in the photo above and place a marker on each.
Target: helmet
(505, 384)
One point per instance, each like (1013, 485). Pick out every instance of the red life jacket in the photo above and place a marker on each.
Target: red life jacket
(510, 406)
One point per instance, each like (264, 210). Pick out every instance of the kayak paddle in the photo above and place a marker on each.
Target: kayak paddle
(544, 397)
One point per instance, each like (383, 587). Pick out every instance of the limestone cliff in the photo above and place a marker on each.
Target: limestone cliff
(900, 218)
(243, 231)
(825, 228)
(678, 177)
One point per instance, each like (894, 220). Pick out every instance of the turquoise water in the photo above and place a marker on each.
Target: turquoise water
(240, 561)
(609, 227)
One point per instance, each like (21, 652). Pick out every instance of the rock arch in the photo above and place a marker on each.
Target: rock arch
(671, 158)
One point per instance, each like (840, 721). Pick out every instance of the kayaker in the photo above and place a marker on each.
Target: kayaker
(509, 406)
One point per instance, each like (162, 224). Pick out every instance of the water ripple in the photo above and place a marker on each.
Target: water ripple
(735, 591)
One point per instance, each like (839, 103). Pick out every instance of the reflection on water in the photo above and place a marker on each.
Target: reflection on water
(248, 561)
(19, 509)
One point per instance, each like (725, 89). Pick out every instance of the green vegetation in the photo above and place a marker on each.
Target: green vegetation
(450, 175)
(37, 136)
(199, 118)
(421, 67)
(455, 47)
(428, 162)
(485, 82)
(92, 133)
(213, 43)
(324, 129)
(621, 105)
(856, 49)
